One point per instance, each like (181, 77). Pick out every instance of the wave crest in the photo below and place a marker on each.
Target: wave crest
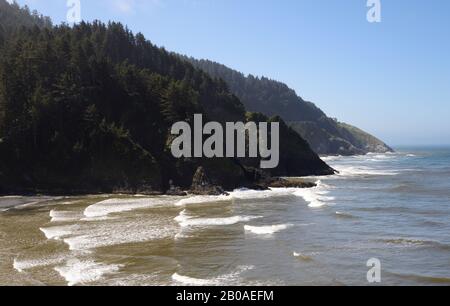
(267, 230)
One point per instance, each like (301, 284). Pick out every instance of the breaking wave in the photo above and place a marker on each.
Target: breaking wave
(226, 279)
(353, 171)
(58, 232)
(317, 196)
(203, 199)
(64, 216)
(266, 230)
(303, 256)
(111, 206)
(204, 222)
(82, 272)
(23, 265)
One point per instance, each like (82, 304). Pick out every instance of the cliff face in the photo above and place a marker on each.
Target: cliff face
(325, 135)
(89, 108)
(329, 137)
(364, 140)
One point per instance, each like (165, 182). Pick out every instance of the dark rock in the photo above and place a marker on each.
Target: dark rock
(175, 190)
(200, 179)
(201, 184)
(290, 183)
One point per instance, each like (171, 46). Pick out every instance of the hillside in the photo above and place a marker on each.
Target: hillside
(325, 135)
(89, 108)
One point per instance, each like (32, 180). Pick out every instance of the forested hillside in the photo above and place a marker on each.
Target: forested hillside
(90, 107)
(325, 135)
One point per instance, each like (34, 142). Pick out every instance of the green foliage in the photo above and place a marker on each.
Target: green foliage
(263, 95)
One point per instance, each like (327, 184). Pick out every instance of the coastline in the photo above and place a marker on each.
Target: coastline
(262, 184)
(285, 182)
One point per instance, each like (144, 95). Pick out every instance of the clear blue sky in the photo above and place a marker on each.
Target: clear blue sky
(391, 79)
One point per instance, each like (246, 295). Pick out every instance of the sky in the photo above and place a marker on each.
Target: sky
(390, 78)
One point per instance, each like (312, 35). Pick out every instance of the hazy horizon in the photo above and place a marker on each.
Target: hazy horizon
(390, 78)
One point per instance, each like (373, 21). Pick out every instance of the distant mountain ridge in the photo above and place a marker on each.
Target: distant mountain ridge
(326, 136)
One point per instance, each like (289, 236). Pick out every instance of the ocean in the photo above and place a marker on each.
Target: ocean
(391, 207)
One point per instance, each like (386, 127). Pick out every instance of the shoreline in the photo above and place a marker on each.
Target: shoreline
(350, 155)
(275, 182)
(285, 182)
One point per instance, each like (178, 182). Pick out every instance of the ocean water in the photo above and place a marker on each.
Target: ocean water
(392, 207)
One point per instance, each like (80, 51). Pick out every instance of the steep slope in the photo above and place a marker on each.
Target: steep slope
(363, 139)
(90, 107)
(325, 135)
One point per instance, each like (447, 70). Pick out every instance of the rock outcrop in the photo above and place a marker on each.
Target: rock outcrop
(202, 185)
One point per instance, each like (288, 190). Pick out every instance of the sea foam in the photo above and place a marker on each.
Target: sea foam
(117, 233)
(192, 281)
(87, 236)
(238, 194)
(204, 222)
(111, 206)
(266, 230)
(64, 216)
(248, 194)
(58, 232)
(226, 279)
(316, 196)
(23, 265)
(352, 171)
(81, 272)
(203, 199)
